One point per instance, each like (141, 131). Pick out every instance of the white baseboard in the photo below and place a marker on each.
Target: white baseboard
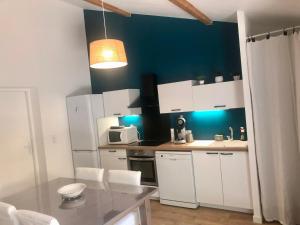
(179, 204)
(249, 211)
(257, 219)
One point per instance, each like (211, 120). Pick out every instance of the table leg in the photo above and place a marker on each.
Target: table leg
(145, 212)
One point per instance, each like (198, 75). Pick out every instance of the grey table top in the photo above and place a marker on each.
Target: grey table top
(101, 203)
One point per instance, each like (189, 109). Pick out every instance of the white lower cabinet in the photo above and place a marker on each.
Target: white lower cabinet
(236, 179)
(208, 178)
(113, 159)
(222, 179)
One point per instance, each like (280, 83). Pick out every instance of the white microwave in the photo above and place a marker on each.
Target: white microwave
(122, 135)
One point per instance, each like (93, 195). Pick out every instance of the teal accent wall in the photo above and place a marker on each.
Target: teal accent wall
(205, 124)
(175, 50)
(133, 120)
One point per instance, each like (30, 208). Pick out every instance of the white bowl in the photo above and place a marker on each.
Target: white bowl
(218, 79)
(71, 190)
(76, 203)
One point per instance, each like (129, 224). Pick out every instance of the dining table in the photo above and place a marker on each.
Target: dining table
(100, 203)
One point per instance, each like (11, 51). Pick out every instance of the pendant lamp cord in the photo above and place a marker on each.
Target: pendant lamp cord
(104, 22)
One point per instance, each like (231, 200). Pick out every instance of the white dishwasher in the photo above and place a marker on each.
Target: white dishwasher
(176, 178)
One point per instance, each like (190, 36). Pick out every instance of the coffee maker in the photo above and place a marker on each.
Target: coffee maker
(180, 130)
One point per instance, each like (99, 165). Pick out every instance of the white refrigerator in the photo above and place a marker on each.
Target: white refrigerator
(88, 128)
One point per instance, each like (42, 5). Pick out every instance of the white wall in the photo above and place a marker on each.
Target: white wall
(43, 45)
(244, 31)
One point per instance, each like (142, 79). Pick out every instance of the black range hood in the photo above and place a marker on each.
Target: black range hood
(156, 125)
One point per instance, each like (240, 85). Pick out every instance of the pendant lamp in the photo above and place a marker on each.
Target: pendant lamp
(107, 53)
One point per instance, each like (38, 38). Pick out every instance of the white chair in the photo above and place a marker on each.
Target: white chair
(130, 178)
(7, 214)
(26, 217)
(86, 173)
(130, 219)
(124, 177)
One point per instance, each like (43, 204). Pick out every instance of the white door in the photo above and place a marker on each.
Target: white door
(175, 177)
(236, 179)
(82, 130)
(16, 160)
(208, 179)
(176, 97)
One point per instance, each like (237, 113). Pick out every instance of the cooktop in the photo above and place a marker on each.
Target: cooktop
(147, 143)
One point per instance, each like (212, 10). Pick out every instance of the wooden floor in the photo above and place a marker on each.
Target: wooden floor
(168, 215)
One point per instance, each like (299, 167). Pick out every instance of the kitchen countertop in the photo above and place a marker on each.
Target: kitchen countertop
(203, 145)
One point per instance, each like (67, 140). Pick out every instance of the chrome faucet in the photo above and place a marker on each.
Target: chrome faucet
(230, 138)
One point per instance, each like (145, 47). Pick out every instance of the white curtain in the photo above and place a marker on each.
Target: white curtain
(274, 67)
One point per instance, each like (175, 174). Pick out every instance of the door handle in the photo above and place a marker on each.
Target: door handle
(141, 159)
(117, 114)
(175, 110)
(112, 151)
(227, 153)
(219, 106)
(212, 153)
(122, 158)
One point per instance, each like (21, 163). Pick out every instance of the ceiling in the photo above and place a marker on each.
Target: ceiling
(261, 12)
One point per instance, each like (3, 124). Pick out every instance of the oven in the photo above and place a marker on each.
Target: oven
(144, 161)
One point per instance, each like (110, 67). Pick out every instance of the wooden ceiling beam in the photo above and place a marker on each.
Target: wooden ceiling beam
(109, 7)
(192, 10)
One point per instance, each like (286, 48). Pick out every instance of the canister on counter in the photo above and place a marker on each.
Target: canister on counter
(189, 136)
(172, 135)
(219, 137)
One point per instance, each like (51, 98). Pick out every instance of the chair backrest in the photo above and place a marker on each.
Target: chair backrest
(26, 217)
(128, 220)
(7, 214)
(86, 173)
(124, 177)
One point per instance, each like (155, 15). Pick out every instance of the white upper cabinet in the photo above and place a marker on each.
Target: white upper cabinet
(236, 179)
(176, 97)
(117, 103)
(224, 95)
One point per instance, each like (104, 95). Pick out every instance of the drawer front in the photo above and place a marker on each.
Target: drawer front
(113, 152)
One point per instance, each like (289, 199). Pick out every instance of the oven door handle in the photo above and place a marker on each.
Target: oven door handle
(141, 159)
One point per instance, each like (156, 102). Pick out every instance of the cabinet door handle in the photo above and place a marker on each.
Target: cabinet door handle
(219, 106)
(122, 158)
(112, 151)
(175, 110)
(117, 114)
(226, 153)
(212, 153)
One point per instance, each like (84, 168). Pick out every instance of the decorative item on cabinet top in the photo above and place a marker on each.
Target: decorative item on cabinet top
(187, 96)
(122, 102)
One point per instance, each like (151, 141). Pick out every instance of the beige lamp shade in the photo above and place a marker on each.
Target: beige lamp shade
(107, 54)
